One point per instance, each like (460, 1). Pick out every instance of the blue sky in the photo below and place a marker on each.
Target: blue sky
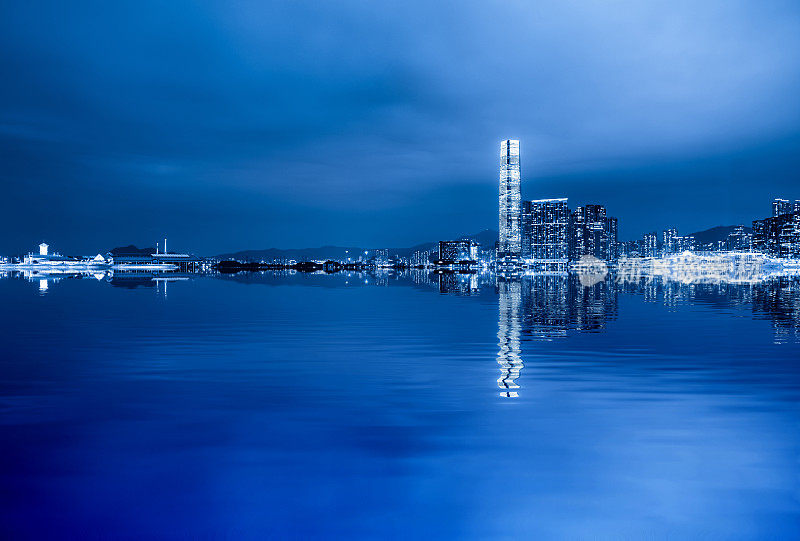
(228, 126)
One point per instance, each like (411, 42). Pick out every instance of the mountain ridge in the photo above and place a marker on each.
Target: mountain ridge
(485, 238)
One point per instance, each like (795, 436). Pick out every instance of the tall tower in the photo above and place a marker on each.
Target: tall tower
(510, 244)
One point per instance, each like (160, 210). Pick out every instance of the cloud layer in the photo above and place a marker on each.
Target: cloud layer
(303, 123)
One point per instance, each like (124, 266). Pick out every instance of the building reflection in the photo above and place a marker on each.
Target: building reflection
(776, 299)
(509, 318)
(780, 302)
(553, 305)
(457, 283)
(543, 308)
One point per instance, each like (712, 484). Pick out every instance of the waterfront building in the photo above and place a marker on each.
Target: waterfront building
(451, 252)
(668, 241)
(683, 244)
(510, 242)
(54, 261)
(649, 245)
(420, 258)
(629, 248)
(778, 236)
(739, 240)
(592, 233)
(382, 257)
(121, 259)
(545, 239)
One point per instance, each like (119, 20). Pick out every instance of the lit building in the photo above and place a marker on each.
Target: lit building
(739, 240)
(510, 243)
(649, 245)
(592, 233)
(457, 251)
(780, 207)
(629, 248)
(545, 224)
(668, 241)
(420, 258)
(778, 236)
(382, 258)
(684, 244)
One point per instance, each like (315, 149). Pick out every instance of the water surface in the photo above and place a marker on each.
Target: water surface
(398, 406)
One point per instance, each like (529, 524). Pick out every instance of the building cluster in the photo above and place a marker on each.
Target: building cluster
(779, 234)
(669, 242)
(46, 261)
(544, 233)
(654, 245)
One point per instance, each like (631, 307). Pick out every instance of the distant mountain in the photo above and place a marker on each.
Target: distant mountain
(300, 254)
(132, 250)
(716, 233)
(485, 238)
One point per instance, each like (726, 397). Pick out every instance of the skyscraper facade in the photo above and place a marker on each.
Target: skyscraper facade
(510, 242)
(778, 236)
(649, 245)
(545, 223)
(668, 245)
(781, 207)
(593, 233)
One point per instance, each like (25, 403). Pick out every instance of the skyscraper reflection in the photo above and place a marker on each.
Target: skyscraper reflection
(509, 355)
(545, 307)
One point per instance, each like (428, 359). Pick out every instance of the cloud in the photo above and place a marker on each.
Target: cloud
(353, 107)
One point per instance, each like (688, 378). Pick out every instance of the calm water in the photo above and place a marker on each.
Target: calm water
(413, 406)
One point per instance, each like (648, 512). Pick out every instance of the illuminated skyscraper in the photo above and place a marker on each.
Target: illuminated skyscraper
(668, 244)
(545, 224)
(593, 233)
(781, 207)
(510, 244)
(650, 245)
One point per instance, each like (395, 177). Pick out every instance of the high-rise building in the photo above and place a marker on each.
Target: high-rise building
(668, 241)
(781, 206)
(510, 243)
(649, 245)
(628, 248)
(778, 236)
(593, 233)
(739, 240)
(458, 251)
(545, 223)
(684, 244)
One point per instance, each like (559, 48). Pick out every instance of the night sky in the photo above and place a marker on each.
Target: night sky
(237, 125)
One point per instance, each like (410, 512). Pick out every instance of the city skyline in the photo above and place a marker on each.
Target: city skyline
(548, 232)
(302, 270)
(214, 125)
